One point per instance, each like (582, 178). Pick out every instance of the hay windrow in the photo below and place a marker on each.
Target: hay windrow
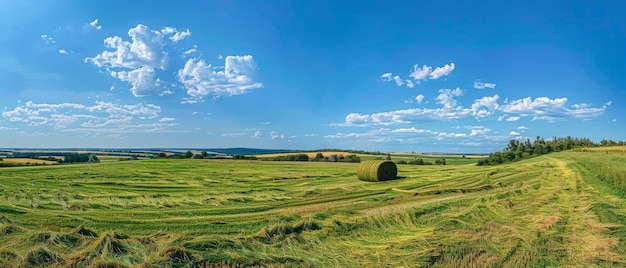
(377, 170)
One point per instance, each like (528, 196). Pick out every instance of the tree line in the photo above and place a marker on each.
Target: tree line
(522, 149)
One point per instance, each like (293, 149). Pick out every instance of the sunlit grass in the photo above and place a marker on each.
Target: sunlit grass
(545, 211)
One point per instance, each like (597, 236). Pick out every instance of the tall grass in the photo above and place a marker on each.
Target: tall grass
(245, 214)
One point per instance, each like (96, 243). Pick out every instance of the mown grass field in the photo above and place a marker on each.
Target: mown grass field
(562, 209)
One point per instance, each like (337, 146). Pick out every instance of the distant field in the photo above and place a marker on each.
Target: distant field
(606, 149)
(563, 209)
(28, 160)
(450, 159)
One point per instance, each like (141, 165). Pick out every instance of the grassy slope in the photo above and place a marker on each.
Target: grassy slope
(551, 210)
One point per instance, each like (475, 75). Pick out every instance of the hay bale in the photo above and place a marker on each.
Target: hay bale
(377, 170)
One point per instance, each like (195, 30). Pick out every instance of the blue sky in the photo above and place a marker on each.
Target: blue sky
(436, 76)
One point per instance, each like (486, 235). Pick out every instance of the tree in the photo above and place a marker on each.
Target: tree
(197, 156)
(204, 154)
(318, 157)
(161, 155)
(188, 154)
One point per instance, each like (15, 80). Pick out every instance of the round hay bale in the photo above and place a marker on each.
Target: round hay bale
(377, 170)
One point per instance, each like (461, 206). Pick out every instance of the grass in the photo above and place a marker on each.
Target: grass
(561, 210)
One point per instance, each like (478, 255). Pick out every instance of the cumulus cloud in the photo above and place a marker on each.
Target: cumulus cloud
(275, 135)
(146, 48)
(101, 117)
(48, 39)
(419, 98)
(419, 74)
(235, 77)
(446, 97)
(485, 106)
(178, 36)
(479, 130)
(136, 60)
(142, 80)
(95, 24)
(522, 128)
(167, 119)
(482, 85)
(514, 133)
(538, 106)
(513, 118)
(409, 83)
(398, 80)
(62, 51)
(441, 71)
(191, 51)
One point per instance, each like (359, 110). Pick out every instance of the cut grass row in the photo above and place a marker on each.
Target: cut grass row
(538, 212)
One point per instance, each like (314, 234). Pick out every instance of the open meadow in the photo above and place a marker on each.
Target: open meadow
(565, 208)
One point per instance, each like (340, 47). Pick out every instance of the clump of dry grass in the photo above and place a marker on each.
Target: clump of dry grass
(282, 229)
(177, 255)
(41, 257)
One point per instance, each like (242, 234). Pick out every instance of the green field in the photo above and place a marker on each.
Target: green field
(554, 210)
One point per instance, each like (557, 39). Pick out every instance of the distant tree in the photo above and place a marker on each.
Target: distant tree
(400, 162)
(319, 156)
(388, 156)
(197, 156)
(204, 154)
(161, 155)
(188, 154)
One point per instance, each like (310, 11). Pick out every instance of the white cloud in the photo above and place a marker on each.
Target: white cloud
(190, 51)
(167, 119)
(275, 135)
(144, 49)
(479, 130)
(234, 135)
(62, 51)
(141, 78)
(420, 73)
(522, 128)
(386, 77)
(442, 71)
(490, 103)
(544, 108)
(541, 108)
(585, 111)
(481, 85)
(102, 117)
(178, 36)
(614, 120)
(95, 25)
(137, 60)
(236, 77)
(514, 133)
(168, 30)
(398, 80)
(538, 106)
(47, 38)
(446, 97)
(257, 134)
(513, 118)
(419, 98)
(409, 83)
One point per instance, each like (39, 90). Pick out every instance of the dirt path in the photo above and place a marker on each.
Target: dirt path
(584, 236)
